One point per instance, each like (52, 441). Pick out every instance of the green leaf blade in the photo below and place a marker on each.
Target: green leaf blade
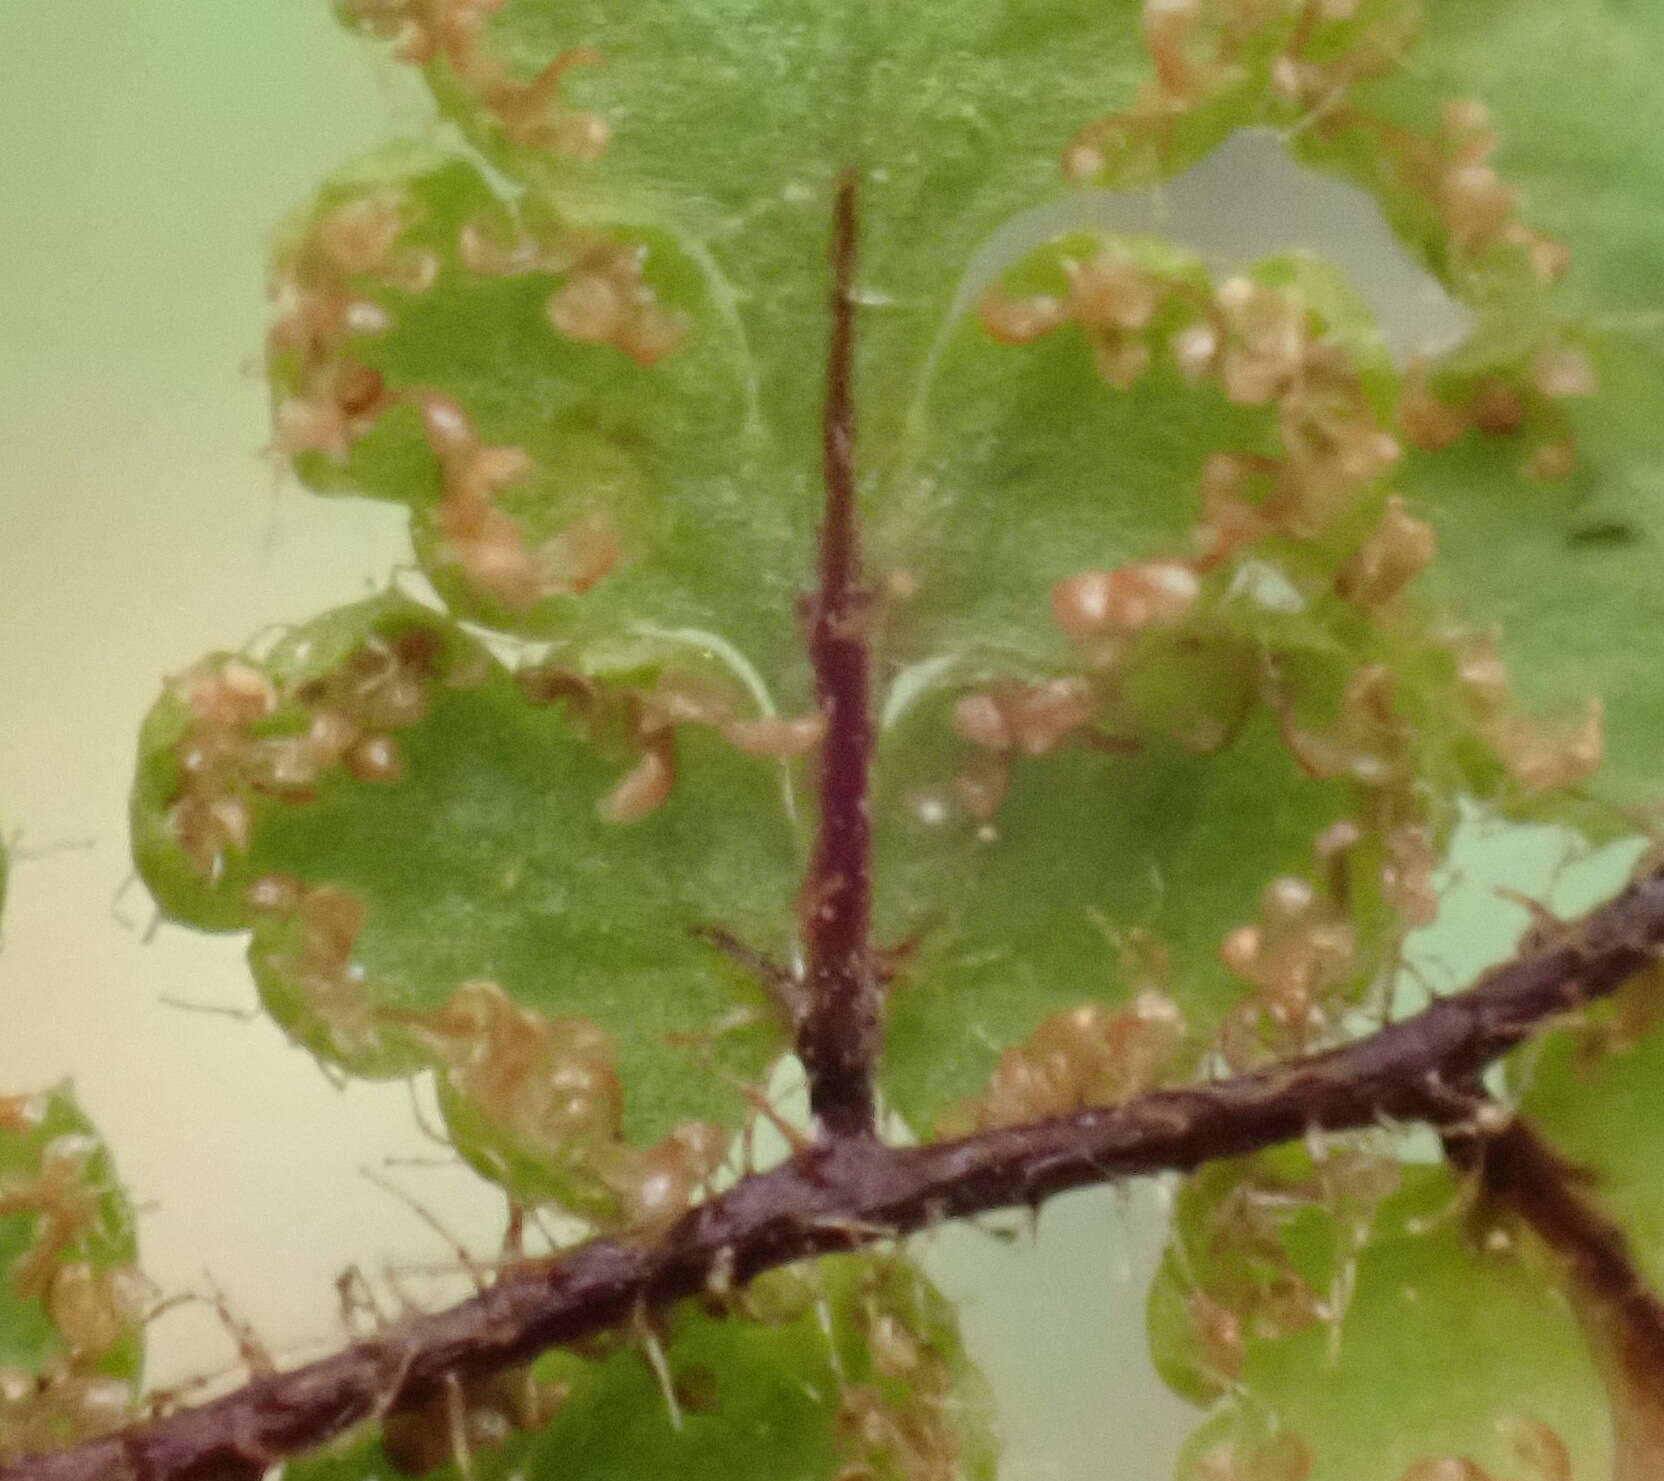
(402, 911)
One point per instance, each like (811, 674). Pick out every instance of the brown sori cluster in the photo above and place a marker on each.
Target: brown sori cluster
(315, 960)
(321, 306)
(1102, 611)
(1202, 51)
(1090, 1055)
(551, 1087)
(236, 747)
(604, 298)
(1371, 744)
(1366, 741)
(1523, 401)
(1247, 1289)
(1245, 1286)
(900, 1425)
(59, 1408)
(1540, 759)
(93, 1308)
(530, 112)
(1451, 170)
(1300, 955)
(1287, 1457)
(1314, 53)
(328, 294)
(548, 1086)
(1297, 957)
(1010, 720)
(1538, 1448)
(489, 544)
(1284, 1456)
(1261, 346)
(1110, 296)
(1395, 553)
(911, 1439)
(1199, 51)
(645, 717)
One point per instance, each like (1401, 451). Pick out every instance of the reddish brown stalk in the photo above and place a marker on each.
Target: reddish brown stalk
(855, 1191)
(838, 1031)
(1621, 1314)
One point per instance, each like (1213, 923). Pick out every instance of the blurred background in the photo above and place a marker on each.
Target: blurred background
(147, 148)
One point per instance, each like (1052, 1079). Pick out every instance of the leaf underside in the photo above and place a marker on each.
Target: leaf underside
(1178, 699)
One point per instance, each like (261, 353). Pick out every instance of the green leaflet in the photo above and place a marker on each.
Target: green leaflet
(1450, 1344)
(1507, 151)
(856, 1363)
(1569, 567)
(623, 495)
(71, 1341)
(471, 848)
(1160, 821)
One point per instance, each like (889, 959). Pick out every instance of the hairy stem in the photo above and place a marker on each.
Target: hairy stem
(853, 1191)
(1520, 1172)
(1621, 1314)
(838, 1030)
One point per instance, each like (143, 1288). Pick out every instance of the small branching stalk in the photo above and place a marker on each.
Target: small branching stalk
(838, 1035)
(855, 1191)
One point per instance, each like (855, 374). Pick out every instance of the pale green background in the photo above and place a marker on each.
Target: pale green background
(146, 146)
